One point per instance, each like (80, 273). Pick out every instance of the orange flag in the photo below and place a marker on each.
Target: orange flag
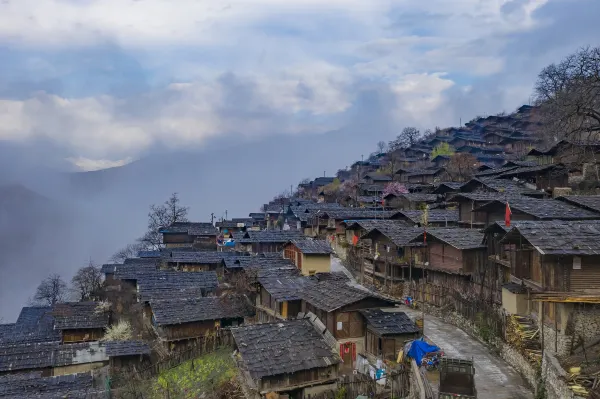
(507, 214)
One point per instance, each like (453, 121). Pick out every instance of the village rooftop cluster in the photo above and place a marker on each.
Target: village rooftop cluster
(312, 287)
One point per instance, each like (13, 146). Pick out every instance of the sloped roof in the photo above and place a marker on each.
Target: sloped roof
(79, 315)
(333, 294)
(178, 311)
(435, 215)
(163, 284)
(496, 171)
(543, 209)
(419, 197)
(275, 236)
(355, 213)
(33, 385)
(389, 323)
(523, 170)
(456, 237)
(35, 324)
(399, 235)
(190, 228)
(315, 247)
(127, 348)
(282, 348)
(560, 237)
(589, 202)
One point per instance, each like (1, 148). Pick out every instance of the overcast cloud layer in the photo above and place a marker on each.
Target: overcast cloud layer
(106, 81)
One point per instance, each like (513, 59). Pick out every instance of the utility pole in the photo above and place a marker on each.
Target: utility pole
(212, 217)
(323, 173)
(225, 214)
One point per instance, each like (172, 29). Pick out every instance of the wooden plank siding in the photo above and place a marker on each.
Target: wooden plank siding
(300, 378)
(82, 335)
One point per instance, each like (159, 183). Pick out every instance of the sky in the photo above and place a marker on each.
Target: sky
(229, 103)
(106, 82)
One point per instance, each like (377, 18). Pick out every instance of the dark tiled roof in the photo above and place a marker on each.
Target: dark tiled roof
(35, 324)
(190, 228)
(356, 213)
(109, 268)
(478, 196)
(543, 209)
(24, 356)
(134, 271)
(199, 257)
(149, 254)
(449, 184)
(514, 288)
(370, 224)
(79, 315)
(419, 197)
(531, 169)
(177, 311)
(496, 171)
(400, 235)
(127, 348)
(435, 215)
(33, 385)
(177, 284)
(389, 323)
(282, 348)
(378, 177)
(308, 246)
(559, 237)
(457, 237)
(589, 202)
(507, 187)
(276, 236)
(368, 198)
(376, 187)
(330, 295)
(141, 261)
(521, 163)
(284, 287)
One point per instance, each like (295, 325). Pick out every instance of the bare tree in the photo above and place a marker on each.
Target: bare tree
(568, 94)
(51, 290)
(162, 216)
(406, 138)
(130, 251)
(461, 166)
(381, 147)
(87, 282)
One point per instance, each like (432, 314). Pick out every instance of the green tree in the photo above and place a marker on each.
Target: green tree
(442, 149)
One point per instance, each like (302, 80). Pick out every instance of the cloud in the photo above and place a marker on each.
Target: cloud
(87, 165)
(108, 85)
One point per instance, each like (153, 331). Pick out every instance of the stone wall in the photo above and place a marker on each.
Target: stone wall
(586, 321)
(554, 378)
(558, 343)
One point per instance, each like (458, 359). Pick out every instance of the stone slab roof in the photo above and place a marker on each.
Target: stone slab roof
(313, 247)
(79, 315)
(178, 311)
(282, 348)
(127, 348)
(556, 237)
(389, 323)
(456, 237)
(543, 209)
(33, 385)
(273, 236)
(589, 202)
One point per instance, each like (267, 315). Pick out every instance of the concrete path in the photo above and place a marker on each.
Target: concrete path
(494, 378)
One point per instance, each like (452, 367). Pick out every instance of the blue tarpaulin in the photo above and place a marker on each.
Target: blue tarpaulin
(419, 349)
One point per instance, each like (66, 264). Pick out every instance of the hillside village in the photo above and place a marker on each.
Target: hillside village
(489, 228)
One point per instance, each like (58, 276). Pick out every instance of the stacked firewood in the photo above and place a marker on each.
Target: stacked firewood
(523, 334)
(581, 383)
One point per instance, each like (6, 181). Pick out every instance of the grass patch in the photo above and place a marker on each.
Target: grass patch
(197, 376)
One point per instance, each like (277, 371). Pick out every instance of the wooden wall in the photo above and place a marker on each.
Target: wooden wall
(314, 376)
(82, 335)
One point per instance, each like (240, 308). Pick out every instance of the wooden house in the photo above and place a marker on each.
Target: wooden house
(467, 203)
(543, 177)
(199, 261)
(557, 266)
(336, 303)
(259, 220)
(127, 355)
(267, 240)
(310, 256)
(202, 236)
(501, 186)
(270, 363)
(387, 332)
(450, 260)
(330, 223)
(440, 161)
(446, 187)
(410, 201)
(373, 178)
(183, 319)
(80, 321)
(389, 255)
(426, 175)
